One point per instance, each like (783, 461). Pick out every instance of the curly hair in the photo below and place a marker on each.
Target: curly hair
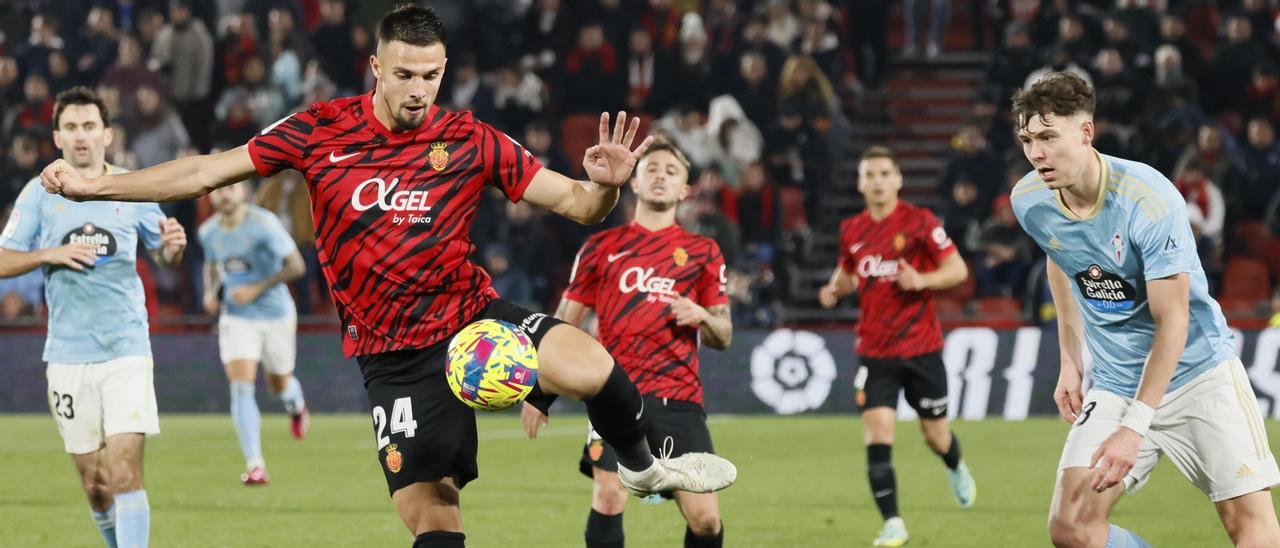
(1059, 94)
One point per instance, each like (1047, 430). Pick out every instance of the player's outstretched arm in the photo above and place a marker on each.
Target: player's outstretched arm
(842, 283)
(179, 179)
(608, 164)
(1067, 395)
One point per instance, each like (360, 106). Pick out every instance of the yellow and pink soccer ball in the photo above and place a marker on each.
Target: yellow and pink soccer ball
(492, 365)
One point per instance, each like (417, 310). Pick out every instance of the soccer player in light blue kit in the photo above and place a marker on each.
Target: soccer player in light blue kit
(98, 351)
(248, 258)
(1127, 282)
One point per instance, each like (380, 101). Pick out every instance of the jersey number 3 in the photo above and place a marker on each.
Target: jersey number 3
(401, 421)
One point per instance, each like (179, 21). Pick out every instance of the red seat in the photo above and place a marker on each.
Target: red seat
(578, 132)
(1254, 239)
(999, 307)
(1246, 278)
(963, 292)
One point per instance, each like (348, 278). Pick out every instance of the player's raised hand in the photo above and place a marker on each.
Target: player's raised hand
(75, 256)
(60, 177)
(909, 279)
(611, 160)
(1114, 458)
(1068, 395)
(828, 296)
(532, 419)
(688, 313)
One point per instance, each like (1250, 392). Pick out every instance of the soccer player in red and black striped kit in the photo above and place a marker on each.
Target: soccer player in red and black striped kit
(894, 254)
(656, 289)
(394, 185)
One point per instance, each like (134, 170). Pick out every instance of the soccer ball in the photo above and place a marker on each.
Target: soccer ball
(492, 365)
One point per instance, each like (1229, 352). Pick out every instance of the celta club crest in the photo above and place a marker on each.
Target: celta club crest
(439, 156)
(1117, 243)
(680, 256)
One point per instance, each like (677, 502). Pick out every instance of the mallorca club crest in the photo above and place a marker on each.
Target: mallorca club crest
(680, 256)
(439, 156)
(1117, 243)
(595, 450)
(394, 459)
(899, 241)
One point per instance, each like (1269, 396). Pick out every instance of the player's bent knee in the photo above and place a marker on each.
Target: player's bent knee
(704, 522)
(572, 363)
(608, 496)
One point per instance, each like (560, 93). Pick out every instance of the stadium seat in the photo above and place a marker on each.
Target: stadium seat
(948, 309)
(1234, 307)
(1254, 239)
(1246, 278)
(578, 132)
(999, 307)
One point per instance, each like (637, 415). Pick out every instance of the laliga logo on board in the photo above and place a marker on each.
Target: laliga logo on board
(388, 199)
(642, 280)
(792, 371)
(873, 266)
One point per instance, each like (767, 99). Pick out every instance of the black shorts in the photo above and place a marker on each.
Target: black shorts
(923, 377)
(685, 422)
(424, 432)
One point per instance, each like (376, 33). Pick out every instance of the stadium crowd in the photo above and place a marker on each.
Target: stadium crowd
(755, 92)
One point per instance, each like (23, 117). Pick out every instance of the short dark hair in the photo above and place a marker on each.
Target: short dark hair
(79, 95)
(661, 144)
(876, 151)
(1059, 94)
(413, 25)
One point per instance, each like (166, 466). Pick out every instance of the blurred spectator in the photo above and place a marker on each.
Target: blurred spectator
(1140, 21)
(10, 85)
(962, 217)
(911, 16)
(35, 112)
(1262, 97)
(235, 125)
(1057, 61)
(150, 21)
(467, 91)
(1174, 91)
(756, 209)
(996, 129)
(613, 17)
(128, 74)
(973, 160)
(518, 96)
(20, 165)
(594, 73)
(1118, 37)
(1117, 92)
(539, 141)
(804, 87)
(265, 102)
(869, 30)
(757, 94)
(288, 48)
(755, 38)
(548, 34)
(1073, 39)
(157, 133)
(817, 41)
(684, 126)
(95, 49)
(690, 80)
(735, 141)
(701, 214)
(1206, 211)
(1001, 268)
(60, 77)
(533, 246)
(183, 49)
(1261, 175)
(1232, 67)
(644, 69)
(333, 47)
(1173, 32)
(723, 21)
(1010, 66)
(1261, 17)
(33, 56)
(783, 27)
(509, 280)
(286, 194)
(663, 24)
(1220, 163)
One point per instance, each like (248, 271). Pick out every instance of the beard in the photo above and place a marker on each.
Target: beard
(659, 204)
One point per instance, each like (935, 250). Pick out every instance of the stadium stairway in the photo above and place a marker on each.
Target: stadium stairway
(924, 103)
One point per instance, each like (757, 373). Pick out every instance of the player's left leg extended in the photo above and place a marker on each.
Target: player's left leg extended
(246, 418)
(572, 363)
(279, 353)
(924, 382)
(123, 460)
(944, 443)
(702, 514)
(1250, 520)
(93, 478)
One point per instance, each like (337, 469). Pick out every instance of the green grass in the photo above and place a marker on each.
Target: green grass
(802, 482)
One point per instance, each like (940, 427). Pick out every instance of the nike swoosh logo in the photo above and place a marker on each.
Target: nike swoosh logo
(879, 494)
(615, 256)
(333, 158)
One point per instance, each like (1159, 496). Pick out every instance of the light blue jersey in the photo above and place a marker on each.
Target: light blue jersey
(1138, 231)
(250, 252)
(100, 313)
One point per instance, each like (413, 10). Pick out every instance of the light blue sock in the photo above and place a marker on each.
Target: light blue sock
(133, 519)
(291, 396)
(248, 421)
(1119, 537)
(106, 524)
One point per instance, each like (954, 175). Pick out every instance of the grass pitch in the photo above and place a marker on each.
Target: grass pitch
(802, 482)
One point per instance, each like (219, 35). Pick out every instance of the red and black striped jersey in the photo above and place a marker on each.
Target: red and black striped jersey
(393, 213)
(631, 275)
(894, 323)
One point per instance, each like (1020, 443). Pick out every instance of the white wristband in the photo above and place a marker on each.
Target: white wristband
(1138, 417)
